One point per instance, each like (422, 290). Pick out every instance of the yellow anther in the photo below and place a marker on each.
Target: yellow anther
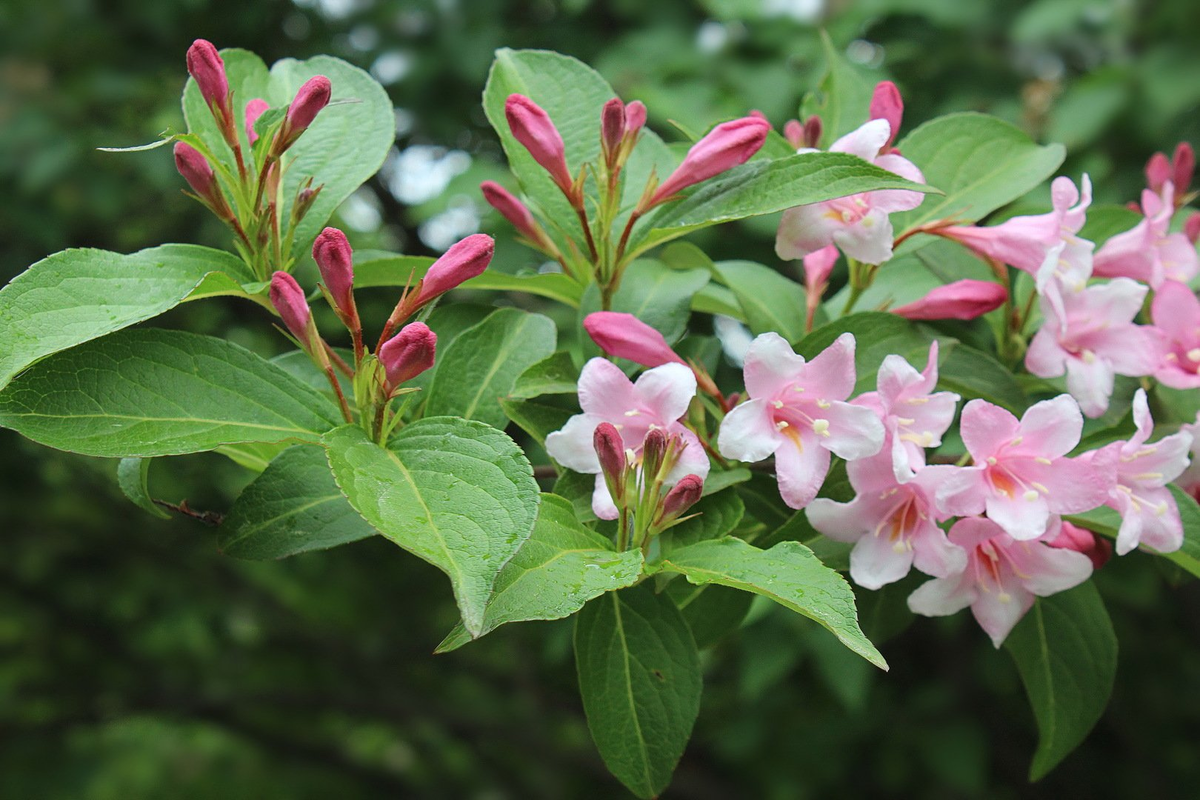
(1031, 495)
(1042, 460)
(991, 460)
(822, 403)
(821, 426)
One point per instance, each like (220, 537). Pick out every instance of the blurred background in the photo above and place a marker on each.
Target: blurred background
(136, 661)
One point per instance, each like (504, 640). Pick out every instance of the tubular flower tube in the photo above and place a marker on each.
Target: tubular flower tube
(288, 299)
(310, 99)
(964, 299)
(207, 68)
(517, 214)
(334, 258)
(463, 261)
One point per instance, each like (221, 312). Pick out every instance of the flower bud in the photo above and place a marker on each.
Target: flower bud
(610, 450)
(812, 131)
(965, 299)
(254, 110)
(533, 128)
(1158, 172)
(654, 451)
(683, 496)
(726, 146)
(635, 118)
(626, 336)
(1081, 540)
(409, 353)
(304, 199)
(793, 131)
(817, 266)
(461, 262)
(310, 99)
(887, 105)
(334, 258)
(1184, 166)
(207, 68)
(196, 170)
(1191, 228)
(612, 125)
(512, 210)
(288, 299)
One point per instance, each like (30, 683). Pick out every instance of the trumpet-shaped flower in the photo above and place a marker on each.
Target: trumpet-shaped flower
(1001, 579)
(913, 417)
(797, 411)
(655, 402)
(1149, 252)
(894, 526)
(857, 224)
(1176, 313)
(1021, 474)
(1148, 511)
(1090, 335)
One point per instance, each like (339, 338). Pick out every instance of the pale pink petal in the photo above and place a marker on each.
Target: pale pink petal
(1090, 383)
(831, 374)
(1169, 459)
(877, 561)
(854, 432)
(1161, 527)
(1132, 350)
(868, 240)
(771, 365)
(999, 610)
(986, 428)
(872, 475)
(692, 461)
(1128, 254)
(1074, 485)
(941, 597)
(1176, 311)
(1049, 570)
(805, 229)
(602, 502)
(907, 459)
(1045, 357)
(667, 390)
(1021, 518)
(604, 390)
(935, 555)
(932, 417)
(1063, 193)
(572, 446)
(970, 532)
(891, 200)
(1178, 258)
(864, 141)
(748, 432)
(801, 468)
(896, 375)
(1051, 428)
(960, 490)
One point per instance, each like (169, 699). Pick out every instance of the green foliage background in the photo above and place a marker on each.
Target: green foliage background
(136, 661)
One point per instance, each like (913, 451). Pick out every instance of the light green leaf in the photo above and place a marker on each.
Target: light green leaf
(154, 392)
(133, 478)
(788, 573)
(559, 568)
(1066, 652)
(1105, 221)
(536, 418)
(482, 364)
(769, 301)
(975, 374)
(456, 493)
(844, 98)
(980, 162)
(377, 268)
(294, 506)
(659, 296)
(554, 374)
(639, 677)
(711, 612)
(1107, 522)
(344, 146)
(78, 295)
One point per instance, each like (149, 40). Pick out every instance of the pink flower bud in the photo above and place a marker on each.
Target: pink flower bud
(817, 266)
(793, 131)
(533, 128)
(254, 110)
(1191, 228)
(754, 112)
(511, 209)
(683, 496)
(461, 262)
(610, 450)
(409, 353)
(612, 124)
(196, 170)
(726, 146)
(812, 131)
(1184, 163)
(626, 336)
(334, 258)
(1158, 172)
(635, 117)
(310, 99)
(654, 450)
(208, 70)
(1081, 540)
(288, 299)
(965, 299)
(887, 105)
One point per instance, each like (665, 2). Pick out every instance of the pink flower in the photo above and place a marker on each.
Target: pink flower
(1081, 540)
(464, 260)
(1149, 252)
(1176, 313)
(1024, 242)
(963, 299)
(1178, 170)
(635, 118)
(894, 525)
(533, 128)
(798, 412)
(886, 104)
(626, 336)
(1148, 511)
(725, 147)
(655, 402)
(793, 131)
(1090, 335)
(1158, 172)
(334, 258)
(409, 353)
(254, 110)
(1001, 578)
(817, 266)
(1020, 474)
(913, 418)
(858, 224)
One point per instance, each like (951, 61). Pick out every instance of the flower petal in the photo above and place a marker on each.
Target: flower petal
(801, 468)
(748, 433)
(667, 390)
(854, 432)
(831, 374)
(602, 502)
(868, 240)
(985, 428)
(605, 391)
(998, 612)
(1051, 428)
(941, 597)
(572, 446)
(876, 561)
(771, 364)
(804, 230)
(1021, 518)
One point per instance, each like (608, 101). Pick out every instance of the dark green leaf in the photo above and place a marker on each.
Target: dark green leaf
(769, 301)
(133, 478)
(554, 374)
(536, 418)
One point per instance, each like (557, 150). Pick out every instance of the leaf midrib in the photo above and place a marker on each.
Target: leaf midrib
(633, 709)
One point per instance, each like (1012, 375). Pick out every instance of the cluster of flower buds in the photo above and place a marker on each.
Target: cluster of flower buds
(377, 377)
(1176, 171)
(248, 201)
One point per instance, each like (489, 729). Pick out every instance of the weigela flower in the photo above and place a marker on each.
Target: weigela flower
(798, 412)
(857, 224)
(1001, 578)
(726, 146)
(655, 402)
(533, 128)
(913, 417)
(1020, 474)
(1089, 334)
(1149, 252)
(1148, 511)
(1175, 312)
(894, 525)
(625, 336)
(334, 258)
(964, 299)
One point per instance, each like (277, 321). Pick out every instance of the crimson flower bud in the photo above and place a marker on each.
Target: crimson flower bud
(793, 131)
(1158, 172)
(965, 299)
(533, 128)
(887, 105)
(461, 262)
(610, 450)
(812, 131)
(1191, 228)
(683, 496)
(626, 336)
(288, 299)
(196, 170)
(207, 68)
(1081, 540)
(726, 146)
(254, 110)
(654, 450)
(1184, 164)
(612, 125)
(512, 210)
(409, 353)
(310, 99)
(635, 117)
(334, 258)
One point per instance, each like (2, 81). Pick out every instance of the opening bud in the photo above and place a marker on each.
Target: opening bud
(461, 262)
(793, 131)
(887, 105)
(626, 336)
(533, 128)
(198, 173)
(407, 354)
(965, 299)
(334, 258)
(288, 299)
(812, 131)
(310, 99)
(304, 199)
(726, 146)
(635, 118)
(254, 110)
(1081, 540)
(1158, 172)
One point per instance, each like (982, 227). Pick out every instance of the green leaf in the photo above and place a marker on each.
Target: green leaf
(78, 295)
(294, 506)
(481, 366)
(535, 418)
(456, 493)
(877, 335)
(659, 296)
(377, 268)
(1105, 221)
(554, 374)
(711, 612)
(769, 301)
(1107, 522)
(559, 568)
(640, 680)
(150, 392)
(844, 97)
(980, 162)
(716, 515)
(975, 374)
(1066, 652)
(344, 146)
(788, 573)
(133, 476)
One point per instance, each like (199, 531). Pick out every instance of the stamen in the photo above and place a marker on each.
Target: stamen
(632, 413)
(1031, 495)
(905, 421)
(1039, 487)
(821, 427)
(777, 403)
(781, 424)
(1041, 460)
(822, 403)
(991, 460)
